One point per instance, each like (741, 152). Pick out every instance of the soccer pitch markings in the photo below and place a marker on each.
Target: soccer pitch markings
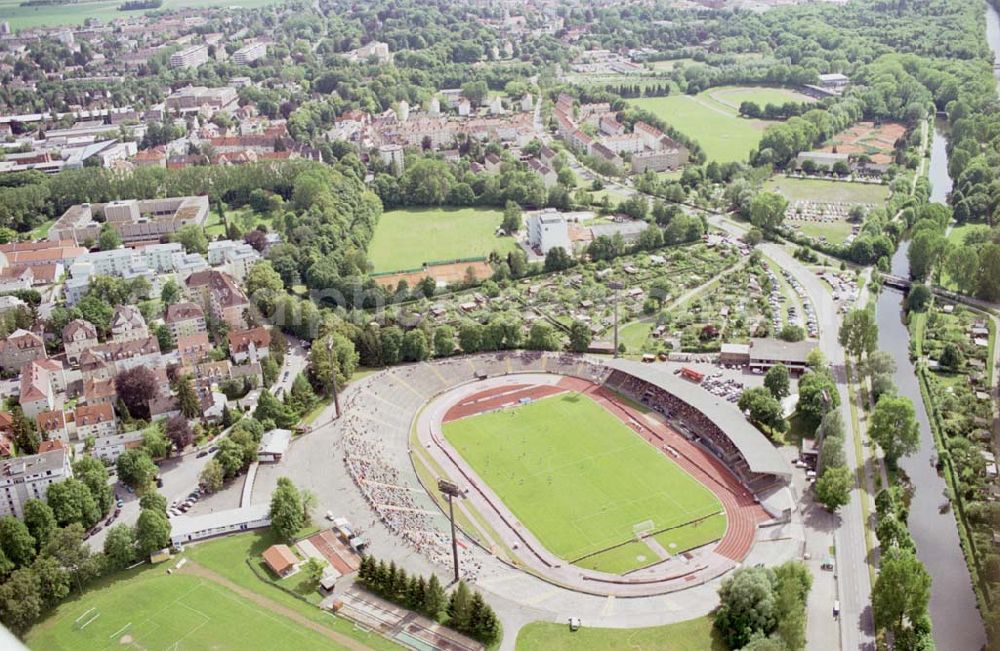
(154, 611)
(580, 479)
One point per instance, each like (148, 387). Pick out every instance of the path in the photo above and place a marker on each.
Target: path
(339, 638)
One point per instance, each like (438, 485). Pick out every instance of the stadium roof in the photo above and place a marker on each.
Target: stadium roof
(760, 454)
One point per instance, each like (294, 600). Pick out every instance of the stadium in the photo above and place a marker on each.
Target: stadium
(609, 478)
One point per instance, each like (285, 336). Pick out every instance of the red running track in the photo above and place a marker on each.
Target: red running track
(742, 511)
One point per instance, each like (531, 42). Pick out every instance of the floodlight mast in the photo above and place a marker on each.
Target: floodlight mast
(451, 490)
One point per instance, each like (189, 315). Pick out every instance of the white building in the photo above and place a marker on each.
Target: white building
(191, 57)
(249, 53)
(109, 448)
(236, 258)
(547, 229)
(273, 445)
(27, 478)
(188, 528)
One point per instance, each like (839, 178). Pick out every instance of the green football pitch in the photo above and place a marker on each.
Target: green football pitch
(582, 481)
(153, 610)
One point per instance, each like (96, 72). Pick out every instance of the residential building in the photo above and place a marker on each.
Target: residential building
(249, 345)
(192, 99)
(19, 348)
(547, 229)
(106, 361)
(221, 297)
(95, 420)
(98, 391)
(185, 319)
(236, 258)
(109, 448)
(11, 303)
(26, 478)
(190, 57)
(192, 349)
(52, 425)
(249, 53)
(78, 336)
(127, 324)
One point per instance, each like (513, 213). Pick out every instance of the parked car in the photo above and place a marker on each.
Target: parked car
(203, 453)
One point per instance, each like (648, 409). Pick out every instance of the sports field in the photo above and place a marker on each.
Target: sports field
(581, 480)
(405, 239)
(827, 191)
(104, 10)
(712, 118)
(153, 610)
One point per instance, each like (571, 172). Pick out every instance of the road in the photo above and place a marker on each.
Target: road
(180, 473)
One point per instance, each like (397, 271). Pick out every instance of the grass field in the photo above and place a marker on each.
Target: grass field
(827, 191)
(635, 334)
(835, 232)
(735, 95)
(718, 129)
(104, 10)
(405, 239)
(151, 610)
(560, 464)
(692, 635)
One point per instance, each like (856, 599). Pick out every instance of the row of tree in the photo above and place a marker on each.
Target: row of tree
(464, 610)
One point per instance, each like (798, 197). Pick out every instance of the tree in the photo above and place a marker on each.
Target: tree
(415, 347)
(136, 387)
(286, 510)
(764, 408)
(792, 332)
(71, 501)
(171, 292)
(511, 222)
(767, 210)
(747, 606)
(557, 259)
(119, 546)
(459, 607)
(53, 580)
(24, 433)
(580, 337)
(444, 341)
(192, 238)
(94, 474)
(69, 548)
(542, 337)
(136, 469)
(434, 599)
(155, 442)
(16, 541)
(313, 568)
(270, 408)
(40, 520)
(301, 397)
(833, 488)
(902, 592)
(152, 532)
(153, 500)
(952, 358)
(20, 601)
(893, 426)
(211, 477)
(776, 381)
(859, 332)
(817, 396)
(109, 238)
(178, 430)
(919, 298)
(187, 398)
(831, 453)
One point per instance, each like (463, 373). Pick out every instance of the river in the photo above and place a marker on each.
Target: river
(957, 623)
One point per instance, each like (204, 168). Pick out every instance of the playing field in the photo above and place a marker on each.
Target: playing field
(104, 10)
(405, 239)
(581, 480)
(712, 118)
(827, 191)
(153, 610)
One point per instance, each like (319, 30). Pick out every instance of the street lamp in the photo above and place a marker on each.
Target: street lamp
(333, 376)
(451, 490)
(616, 285)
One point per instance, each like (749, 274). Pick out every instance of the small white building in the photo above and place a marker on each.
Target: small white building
(273, 445)
(189, 528)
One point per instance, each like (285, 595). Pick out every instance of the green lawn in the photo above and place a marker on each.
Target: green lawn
(826, 191)
(577, 476)
(104, 10)
(405, 239)
(41, 231)
(735, 95)
(635, 334)
(835, 232)
(713, 123)
(152, 610)
(692, 635)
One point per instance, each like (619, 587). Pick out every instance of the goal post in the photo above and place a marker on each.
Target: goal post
(642, 529)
